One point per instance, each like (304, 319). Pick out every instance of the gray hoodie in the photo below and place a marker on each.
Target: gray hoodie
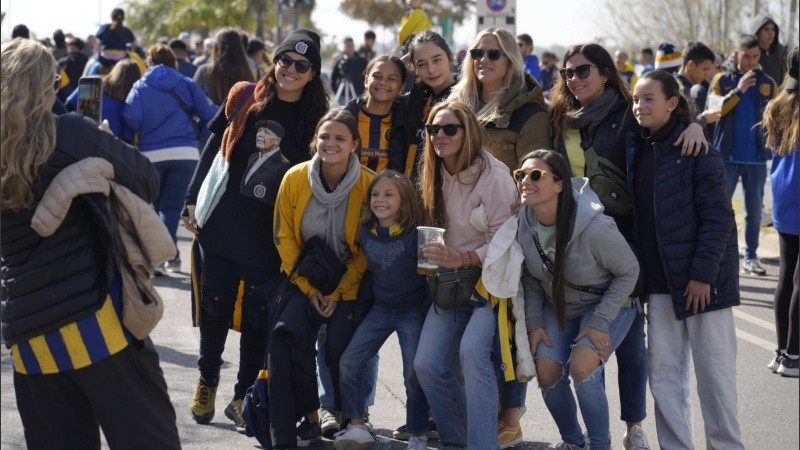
(598, 257)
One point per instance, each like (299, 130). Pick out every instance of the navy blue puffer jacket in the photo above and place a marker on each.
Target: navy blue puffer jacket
(694, 221)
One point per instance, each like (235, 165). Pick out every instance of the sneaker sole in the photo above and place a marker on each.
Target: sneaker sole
(202, 419)
(511, 443)
(793, 373)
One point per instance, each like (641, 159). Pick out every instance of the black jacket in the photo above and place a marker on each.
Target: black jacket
(694, 221)
(50, 282)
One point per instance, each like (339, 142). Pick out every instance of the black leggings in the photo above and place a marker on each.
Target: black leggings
(786, 295)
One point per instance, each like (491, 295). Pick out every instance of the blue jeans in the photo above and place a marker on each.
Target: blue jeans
(438, 370)
(364, 345)
(632, 375)
(590, 391)
(175, 177)
(324, 383)
(480, 378)
(753, 178)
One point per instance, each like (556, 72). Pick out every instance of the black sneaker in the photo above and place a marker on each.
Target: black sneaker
(402, 434)
(789, 367)
(308, 433)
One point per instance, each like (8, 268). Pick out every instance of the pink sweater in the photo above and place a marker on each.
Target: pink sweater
(495, 189)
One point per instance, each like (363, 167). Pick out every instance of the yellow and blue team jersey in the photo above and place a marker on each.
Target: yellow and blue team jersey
(375, 132)
(78, 344)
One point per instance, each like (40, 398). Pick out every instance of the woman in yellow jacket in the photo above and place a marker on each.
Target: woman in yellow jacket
(322, 197)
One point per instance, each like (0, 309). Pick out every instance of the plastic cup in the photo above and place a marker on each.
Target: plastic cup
(714, 103)
(426, 235)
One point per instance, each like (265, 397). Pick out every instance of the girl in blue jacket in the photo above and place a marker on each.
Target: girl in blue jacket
(783, 137)
(684, 225)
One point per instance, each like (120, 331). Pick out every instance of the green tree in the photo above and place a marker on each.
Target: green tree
(387, 13)
(151, 19)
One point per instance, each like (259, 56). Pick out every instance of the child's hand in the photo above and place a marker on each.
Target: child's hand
(698, 295)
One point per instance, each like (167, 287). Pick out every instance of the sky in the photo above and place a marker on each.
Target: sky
(544, 20)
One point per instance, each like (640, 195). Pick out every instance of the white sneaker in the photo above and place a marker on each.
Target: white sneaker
(776, 361)
(354, 437)
(635, 439)
(418, 443)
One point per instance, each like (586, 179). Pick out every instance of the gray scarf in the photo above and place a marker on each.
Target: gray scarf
(590, 115)
(331, 229)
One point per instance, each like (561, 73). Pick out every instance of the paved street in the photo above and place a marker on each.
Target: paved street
(768, 403)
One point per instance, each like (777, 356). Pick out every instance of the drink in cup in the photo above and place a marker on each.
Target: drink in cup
(426, 235)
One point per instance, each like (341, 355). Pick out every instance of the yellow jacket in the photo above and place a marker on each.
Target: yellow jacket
(293, 196)
(412, 23)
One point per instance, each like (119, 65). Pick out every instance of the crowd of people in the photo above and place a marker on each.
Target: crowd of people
(573, 200)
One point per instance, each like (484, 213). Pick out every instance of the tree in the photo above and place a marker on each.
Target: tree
(151, 19)
(387, 13)
(716, 23)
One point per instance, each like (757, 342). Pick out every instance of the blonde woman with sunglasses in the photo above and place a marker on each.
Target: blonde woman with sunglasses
(507, 101)
(590, 109)
(576, 314)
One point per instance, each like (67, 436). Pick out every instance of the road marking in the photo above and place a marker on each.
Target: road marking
(766, 324)
(763, 343)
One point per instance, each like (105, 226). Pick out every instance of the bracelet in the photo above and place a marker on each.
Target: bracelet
(469, 258)
(460, 260)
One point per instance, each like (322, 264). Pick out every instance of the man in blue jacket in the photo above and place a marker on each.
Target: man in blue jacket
(746, 91)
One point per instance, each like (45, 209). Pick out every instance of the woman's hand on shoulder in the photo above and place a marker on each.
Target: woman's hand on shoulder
(535, 337)
(692, 140)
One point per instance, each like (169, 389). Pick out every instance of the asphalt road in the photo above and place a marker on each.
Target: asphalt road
(768, 403)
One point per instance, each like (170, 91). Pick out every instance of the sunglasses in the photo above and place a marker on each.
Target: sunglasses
(300, 65)
(581, 71)
(450, 129)
(535, 174)
(493, 54)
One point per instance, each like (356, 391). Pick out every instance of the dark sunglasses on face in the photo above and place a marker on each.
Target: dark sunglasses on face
(300, 65)
(493, 54)
(450, 129)
(581, 71)
(535, 174)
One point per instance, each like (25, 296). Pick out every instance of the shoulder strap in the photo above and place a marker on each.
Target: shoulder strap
(241, 95)
(182, 104)
(551, 269)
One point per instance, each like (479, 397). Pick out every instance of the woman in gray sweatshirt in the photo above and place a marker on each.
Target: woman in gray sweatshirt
(577, 275)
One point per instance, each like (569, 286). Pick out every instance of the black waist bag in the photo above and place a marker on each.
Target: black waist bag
(452, 288)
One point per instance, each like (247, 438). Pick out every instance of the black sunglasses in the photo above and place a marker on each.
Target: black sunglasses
(535, 174)
(581, 71)
(450, 129)
(477, 53)
(301, 65)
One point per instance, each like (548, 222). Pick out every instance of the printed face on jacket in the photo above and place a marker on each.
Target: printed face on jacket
(266, 140)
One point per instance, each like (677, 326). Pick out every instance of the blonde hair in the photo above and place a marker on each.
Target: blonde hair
(28, 131)
(780, 122)
(467, 90)
(430, 180)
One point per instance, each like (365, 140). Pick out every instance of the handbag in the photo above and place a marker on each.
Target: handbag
(609, 183)
(321, 266)
(452, 288)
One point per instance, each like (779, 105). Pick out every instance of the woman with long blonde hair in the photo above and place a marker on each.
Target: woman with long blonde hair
(783, 137)
(460, 181)
(507, 101)
(74, 361)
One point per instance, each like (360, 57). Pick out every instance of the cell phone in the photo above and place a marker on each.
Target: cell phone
(90, 97)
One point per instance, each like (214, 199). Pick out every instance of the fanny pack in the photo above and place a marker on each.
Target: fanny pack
(609, 183)
(452, 288)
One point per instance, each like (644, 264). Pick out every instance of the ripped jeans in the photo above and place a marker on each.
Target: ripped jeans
(590, 392)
